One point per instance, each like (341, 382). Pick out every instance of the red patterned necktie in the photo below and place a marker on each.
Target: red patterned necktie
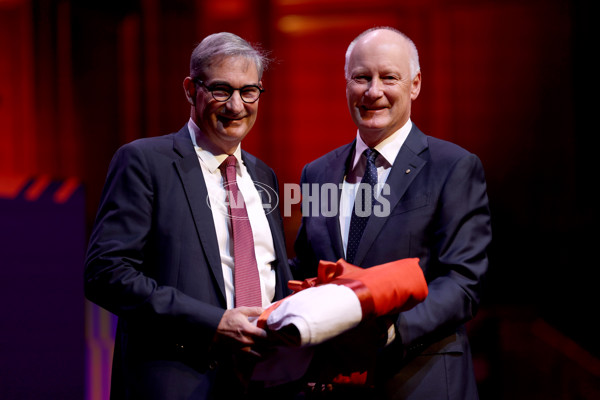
(246, 279)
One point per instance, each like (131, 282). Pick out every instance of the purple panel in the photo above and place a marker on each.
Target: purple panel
(42, 246)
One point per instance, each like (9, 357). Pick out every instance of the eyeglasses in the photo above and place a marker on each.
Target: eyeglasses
(223, 91)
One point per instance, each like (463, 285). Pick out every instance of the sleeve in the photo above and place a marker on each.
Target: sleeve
(305, 264)
(119, 266)
(461, 234)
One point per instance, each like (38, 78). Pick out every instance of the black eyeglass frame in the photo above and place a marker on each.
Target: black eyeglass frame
(230, 90)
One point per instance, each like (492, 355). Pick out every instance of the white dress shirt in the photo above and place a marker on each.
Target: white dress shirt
(388, 150)
(210, 159)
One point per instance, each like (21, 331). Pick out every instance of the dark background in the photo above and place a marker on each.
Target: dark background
(515, 82)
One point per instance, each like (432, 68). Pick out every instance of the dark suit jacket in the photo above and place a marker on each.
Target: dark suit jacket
(153, 260)
(438, 213)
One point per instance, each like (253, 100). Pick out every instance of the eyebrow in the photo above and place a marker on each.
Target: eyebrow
(220, 82)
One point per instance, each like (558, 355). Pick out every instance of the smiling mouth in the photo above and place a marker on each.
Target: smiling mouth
(225, 119)
(372, 109)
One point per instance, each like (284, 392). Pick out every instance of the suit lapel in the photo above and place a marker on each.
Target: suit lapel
(407, 166)
(263, 182)
(335, 173)
(190, 172)
(268, 190)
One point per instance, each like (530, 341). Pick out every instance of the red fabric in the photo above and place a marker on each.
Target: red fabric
(383, 289)
(396, 286)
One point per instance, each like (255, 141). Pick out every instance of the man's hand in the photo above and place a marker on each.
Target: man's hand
(235, 327)
(237, 338)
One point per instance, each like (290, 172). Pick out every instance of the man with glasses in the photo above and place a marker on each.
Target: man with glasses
(185, 249)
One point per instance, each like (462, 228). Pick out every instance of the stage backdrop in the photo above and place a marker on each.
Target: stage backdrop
(511, 81)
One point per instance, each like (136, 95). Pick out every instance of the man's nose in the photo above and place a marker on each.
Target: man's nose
(375, 88)
(235, 104)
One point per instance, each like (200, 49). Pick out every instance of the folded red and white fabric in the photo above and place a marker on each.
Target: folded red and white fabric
(342, 295)
(337, 300)
(319, 313)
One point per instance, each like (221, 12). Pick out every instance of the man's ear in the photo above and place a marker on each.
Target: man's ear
(189, 87)
(415, 88)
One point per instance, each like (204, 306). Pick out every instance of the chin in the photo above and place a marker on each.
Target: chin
(371, 125)
(234, 129)
(237, 133)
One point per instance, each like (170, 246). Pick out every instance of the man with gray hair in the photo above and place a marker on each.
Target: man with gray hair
(403, 195)
(188, 244)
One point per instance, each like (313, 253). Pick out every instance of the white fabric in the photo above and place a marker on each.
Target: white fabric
(319, 313)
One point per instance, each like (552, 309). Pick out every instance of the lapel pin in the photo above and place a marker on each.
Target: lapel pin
(407, 171)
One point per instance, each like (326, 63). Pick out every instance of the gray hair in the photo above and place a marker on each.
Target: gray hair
(413, 53)
(225, 44)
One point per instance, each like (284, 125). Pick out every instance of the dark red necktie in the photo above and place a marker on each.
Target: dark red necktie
(245, 272)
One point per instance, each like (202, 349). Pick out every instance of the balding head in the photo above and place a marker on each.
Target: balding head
(382, 80)
(391, 34)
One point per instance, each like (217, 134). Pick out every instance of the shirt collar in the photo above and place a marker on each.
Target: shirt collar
(208, 153)
(388, 148)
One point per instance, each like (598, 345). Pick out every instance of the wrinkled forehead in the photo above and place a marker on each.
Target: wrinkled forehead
(221, 66)
(379, 52)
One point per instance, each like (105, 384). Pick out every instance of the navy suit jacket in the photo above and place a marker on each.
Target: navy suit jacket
(438, 213)
(153, 260)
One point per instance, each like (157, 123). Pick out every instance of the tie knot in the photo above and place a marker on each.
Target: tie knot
(230, 161)
(371, 154)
